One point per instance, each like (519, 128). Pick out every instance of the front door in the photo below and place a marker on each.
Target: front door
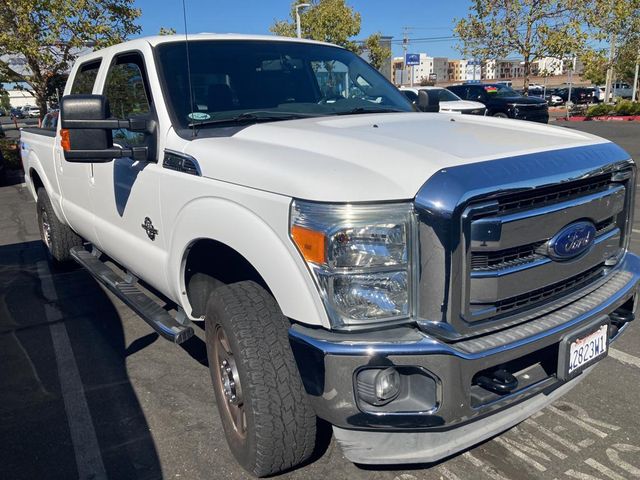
(125, 193)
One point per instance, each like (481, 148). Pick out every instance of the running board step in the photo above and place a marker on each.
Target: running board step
(139, 302)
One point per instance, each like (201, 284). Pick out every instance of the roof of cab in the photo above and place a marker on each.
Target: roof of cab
(159, 39)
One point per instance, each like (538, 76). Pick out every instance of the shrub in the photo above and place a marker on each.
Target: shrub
(599, 110)
(11, 154)
(625, 107)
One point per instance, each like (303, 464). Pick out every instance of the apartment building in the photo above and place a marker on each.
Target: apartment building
(457, 70)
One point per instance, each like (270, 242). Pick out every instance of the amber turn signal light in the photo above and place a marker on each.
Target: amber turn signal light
(310, 243)
(65, 141)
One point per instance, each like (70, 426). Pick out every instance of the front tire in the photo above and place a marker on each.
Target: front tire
(268, 421)
(56, 236)
(500, 115)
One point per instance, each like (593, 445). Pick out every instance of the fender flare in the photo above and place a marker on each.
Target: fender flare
(274, 258)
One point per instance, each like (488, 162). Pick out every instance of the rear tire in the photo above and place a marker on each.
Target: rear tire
(56, 236)
(268, 421)
(500, 115)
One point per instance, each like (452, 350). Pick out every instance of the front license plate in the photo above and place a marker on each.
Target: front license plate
(582, 350)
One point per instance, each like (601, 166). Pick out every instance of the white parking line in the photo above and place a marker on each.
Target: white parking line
(635, 230)
(448, 474)
(553, 436)
(625, 357)
(486, 469)
(539, 443)
(83, 435)
(580, 475)
(520, 454)
(603, 469)
(578, 422)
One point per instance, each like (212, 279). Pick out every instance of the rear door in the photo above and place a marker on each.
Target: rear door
(75, 178)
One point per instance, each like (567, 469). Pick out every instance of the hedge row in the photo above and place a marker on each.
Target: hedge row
(623, 107)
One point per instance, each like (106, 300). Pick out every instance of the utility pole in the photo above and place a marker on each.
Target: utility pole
(405, 47)
(612, 55)
(573, 67)
(635, 78)
(298, 25)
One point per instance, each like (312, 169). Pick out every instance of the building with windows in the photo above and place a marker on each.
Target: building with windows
(457, 70)
(502, 69)
(398, 73)
(441, 69)
(19, 94)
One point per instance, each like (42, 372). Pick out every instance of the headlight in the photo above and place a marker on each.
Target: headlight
(360, 257)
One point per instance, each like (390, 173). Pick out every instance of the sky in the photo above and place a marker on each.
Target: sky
(428, 19)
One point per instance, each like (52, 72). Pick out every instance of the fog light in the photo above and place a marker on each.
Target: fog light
(377, 386)
(387, 384)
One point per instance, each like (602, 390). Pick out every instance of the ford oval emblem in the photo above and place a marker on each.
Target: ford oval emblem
(572, 241)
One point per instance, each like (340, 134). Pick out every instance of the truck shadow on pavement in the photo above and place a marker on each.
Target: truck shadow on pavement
(67, 407)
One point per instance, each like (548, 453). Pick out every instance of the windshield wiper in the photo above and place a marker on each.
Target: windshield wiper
(361, 110)
(247, 118)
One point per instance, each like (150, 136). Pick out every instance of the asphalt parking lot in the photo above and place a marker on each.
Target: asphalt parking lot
(144, 408)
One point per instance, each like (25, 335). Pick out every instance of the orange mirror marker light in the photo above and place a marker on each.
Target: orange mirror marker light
(65, 141)
(310, 243)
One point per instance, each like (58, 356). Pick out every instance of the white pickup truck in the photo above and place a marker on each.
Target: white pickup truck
(419, 281)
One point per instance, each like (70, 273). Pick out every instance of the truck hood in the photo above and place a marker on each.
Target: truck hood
(363, 158)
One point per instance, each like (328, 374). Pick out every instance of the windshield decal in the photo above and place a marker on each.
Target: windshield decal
(199, 116)
(491, 89)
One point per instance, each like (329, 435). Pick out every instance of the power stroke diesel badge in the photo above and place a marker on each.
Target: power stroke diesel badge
(148, 227)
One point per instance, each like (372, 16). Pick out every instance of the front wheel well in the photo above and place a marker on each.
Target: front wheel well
(209, 264)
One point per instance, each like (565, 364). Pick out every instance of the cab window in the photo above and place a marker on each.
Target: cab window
(126, 89)
(85, 78)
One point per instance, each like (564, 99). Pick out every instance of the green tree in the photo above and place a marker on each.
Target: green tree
(595, 66)
(531, 29)
(49, 34)
(378, 54)
(5, 104)
(617, 21)
(167, 31)
(330, 21)
(333, 21)
(625, 61)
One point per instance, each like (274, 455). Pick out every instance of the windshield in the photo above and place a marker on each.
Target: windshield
(244, 81)
(500, 91)
(445, 95)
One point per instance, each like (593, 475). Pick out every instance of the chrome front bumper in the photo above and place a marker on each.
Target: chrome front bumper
(328, 363)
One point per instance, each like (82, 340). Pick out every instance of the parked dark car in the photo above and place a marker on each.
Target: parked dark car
(17, 113)
(503, 101)
(579, 95)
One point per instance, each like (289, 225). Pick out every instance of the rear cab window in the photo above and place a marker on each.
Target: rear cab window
(85, 77)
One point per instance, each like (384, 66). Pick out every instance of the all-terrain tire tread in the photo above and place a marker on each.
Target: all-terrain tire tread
(62, 237)
(285, 422)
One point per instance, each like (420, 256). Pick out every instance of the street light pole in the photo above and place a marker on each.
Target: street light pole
(298, 26)
(635, 78)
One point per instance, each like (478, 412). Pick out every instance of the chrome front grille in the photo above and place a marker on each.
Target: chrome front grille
(512, 257)
(485, 229)
(519, 271)
(549, 292)
(554, 194)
